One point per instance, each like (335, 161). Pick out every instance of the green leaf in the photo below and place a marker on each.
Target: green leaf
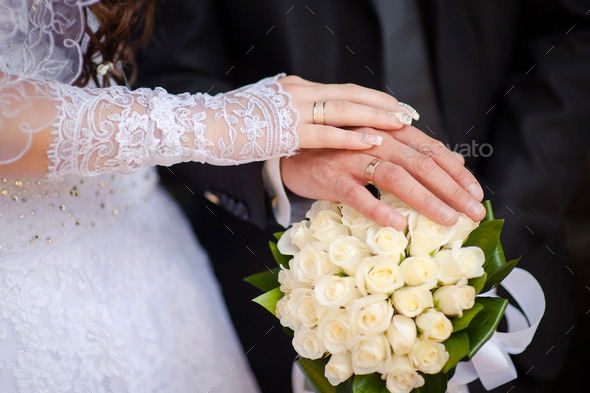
(500, 274)
(489, 212)
(280, 258)
(278, 235)
(486, 236)
(313, 370)
(288, 331)
(458, 347)
(485, 322)
(371, 383)
(345, 387)
(269, 300)
(478, 283)
(460, 323)
(266, 280)
(433, 383)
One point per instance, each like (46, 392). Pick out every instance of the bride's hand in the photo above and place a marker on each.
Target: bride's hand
(345, 105)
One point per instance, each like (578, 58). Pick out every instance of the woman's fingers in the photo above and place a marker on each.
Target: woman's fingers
(306, 93)
(347, 114)
(323, 136)
(355, 94)
(343, 113)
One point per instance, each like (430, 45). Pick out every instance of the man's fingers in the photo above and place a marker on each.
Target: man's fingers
(399, 182)
(444, 158)
(360, 199)
(428, 173)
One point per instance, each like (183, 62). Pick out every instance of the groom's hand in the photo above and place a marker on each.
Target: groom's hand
(418, 169)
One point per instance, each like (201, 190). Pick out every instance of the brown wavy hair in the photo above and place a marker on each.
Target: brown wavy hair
(124, 27)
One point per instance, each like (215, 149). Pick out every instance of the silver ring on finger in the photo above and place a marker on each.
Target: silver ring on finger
(370, 170)
(319, 112)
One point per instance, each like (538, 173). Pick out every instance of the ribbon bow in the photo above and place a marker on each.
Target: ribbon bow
(492, 363)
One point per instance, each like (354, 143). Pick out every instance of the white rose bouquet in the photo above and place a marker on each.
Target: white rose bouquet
(373, 309)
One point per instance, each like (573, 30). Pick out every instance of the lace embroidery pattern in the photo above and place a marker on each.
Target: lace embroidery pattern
(112, 129)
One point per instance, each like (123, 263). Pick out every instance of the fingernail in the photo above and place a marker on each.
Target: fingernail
(446, 213)
(371, 139)
(409, 110)
(395, 221)
(400, 117)
(476, 191)
(475, 208)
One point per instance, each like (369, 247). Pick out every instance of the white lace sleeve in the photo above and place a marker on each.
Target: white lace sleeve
(94, 131)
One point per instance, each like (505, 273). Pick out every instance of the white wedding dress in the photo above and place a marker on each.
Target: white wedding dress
(103, 288)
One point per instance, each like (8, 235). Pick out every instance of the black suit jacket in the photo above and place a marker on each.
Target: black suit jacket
(513, 75)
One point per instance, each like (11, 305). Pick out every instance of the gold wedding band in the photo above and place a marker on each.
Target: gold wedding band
(370, 171)
(319, 114)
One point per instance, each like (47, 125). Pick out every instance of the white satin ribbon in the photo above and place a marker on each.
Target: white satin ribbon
(492, 363)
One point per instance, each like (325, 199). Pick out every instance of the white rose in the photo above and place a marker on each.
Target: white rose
(411, 301)
(339, 368)
(428, 356)
(327, 225)
(304, 304)
(453, 299)
(425, 235)
(460, 262)
(335, 329)
(334, 291)
(403, 377)
(285, 243)
(312, 263)
(357, 224)
(285, 313)
(347, 252)
(401, 334)
(435, 325)
(422, 270)
(396, 203)
(463, 228)
(308, 344)
(387, 241)
(370, 314)
(379, 274)
(295, 238)
(289, 282)
(319, 206)
(369, 354)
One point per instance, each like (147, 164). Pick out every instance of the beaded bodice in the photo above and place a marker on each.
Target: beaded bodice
(37, 214)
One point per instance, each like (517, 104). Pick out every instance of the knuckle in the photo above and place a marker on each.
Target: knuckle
(424, 165)
(353, 191)
(339, 107)
(431, 201)
(292, 79)
(323, 135)
(293, 88)
(375, 210)
(394, 174)
(458, 193)
(350, 88)
(437, 148)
